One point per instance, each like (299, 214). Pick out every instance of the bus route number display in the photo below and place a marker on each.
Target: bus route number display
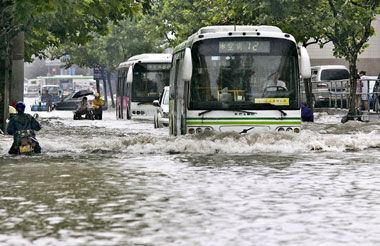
(244, 47)
(158, 67)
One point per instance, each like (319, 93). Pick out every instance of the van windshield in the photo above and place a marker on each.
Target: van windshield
(335, 74)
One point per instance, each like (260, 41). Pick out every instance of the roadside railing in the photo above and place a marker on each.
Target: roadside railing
(336, 93)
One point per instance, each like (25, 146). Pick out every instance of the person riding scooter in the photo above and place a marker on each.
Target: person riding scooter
(23, 123)
(83, 109)
(97, 106)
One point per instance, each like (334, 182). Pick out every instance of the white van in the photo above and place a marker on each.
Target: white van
(326, 79)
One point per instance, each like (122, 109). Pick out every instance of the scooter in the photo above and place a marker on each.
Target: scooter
(89, 115)
(25, 142)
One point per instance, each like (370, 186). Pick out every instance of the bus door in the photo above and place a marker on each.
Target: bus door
(174, 100)
(119, 94)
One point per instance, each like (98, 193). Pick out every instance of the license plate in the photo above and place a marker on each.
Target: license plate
(25, 148)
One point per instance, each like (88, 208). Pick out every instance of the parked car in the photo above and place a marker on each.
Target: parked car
(71, 101)
(161, 116)
(326, 79)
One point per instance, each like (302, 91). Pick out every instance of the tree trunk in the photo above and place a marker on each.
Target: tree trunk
(353, 78)
(110, 86)
(4, 87)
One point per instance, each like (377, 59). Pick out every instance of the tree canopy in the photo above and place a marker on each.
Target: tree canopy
(124, 40)
(50, 23)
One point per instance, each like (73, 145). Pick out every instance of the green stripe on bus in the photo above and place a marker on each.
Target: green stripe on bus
(244, 123)
(248, 118)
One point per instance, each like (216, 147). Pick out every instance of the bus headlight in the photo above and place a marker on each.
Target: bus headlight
(289, 129)
(281, 129)
(198, 130)
(191, 131)
(207, 129)
(296, 130)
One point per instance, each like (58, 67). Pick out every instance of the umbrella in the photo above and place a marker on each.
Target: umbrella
(82, 93)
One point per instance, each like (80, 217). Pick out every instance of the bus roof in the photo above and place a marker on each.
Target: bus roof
(147, 58)
(210, 32)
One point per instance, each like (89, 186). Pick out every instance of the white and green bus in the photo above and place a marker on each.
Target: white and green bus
(237, 78)
(140, 81)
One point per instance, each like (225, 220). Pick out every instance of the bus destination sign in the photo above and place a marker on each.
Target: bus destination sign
(244, 47)
(158, 67)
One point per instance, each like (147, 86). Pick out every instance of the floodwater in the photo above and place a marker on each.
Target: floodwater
(116, 182)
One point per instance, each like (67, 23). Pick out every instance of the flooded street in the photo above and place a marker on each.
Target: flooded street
(116, 182)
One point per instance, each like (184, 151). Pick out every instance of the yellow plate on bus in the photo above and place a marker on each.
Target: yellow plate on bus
(274, 101)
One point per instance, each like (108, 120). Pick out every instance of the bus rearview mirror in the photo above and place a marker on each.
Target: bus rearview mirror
(305, 64)
(187, 66)
(130, 75)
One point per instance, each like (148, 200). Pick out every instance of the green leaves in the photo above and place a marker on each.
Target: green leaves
(53, 22)
(122, 41)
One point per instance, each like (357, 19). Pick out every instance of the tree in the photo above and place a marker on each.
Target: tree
(51, 23)
(349, 28)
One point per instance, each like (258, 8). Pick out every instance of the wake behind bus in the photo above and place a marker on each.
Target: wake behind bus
(237, 78)
(141, 79)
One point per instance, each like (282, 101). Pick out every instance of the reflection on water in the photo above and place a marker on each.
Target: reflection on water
(125, 183)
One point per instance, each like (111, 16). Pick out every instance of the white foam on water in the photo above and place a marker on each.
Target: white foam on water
(62, 134)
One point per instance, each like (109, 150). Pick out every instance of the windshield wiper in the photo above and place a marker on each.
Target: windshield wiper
(272, 106)
(205, 112)
(230, 109)
(246, 130)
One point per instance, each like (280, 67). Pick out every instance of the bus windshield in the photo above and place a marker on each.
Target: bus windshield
(66, 85)
(149, 80)
(244, 73)
(53, 90)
